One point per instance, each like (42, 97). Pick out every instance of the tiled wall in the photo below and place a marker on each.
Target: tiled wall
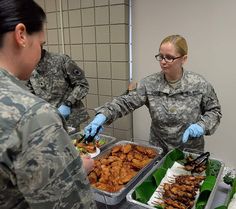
(95, 34)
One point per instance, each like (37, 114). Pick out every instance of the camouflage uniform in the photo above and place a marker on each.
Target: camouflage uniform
(57, 79)
(172, 110)
(39, 166)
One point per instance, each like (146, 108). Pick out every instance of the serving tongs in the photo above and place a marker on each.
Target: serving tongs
(89, 138)
(199, 161)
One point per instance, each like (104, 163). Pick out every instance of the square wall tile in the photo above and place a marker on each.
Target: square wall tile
(119, 33)
(119, 14)
(87, 3)
(65, 19)
(68, 49)
(92, 114)
(76, 52)
(75, 18)
(104, 99)
(123, 123)
(88, 16)
(120, 70)
(41, 3)
(53, 48)
(89, 34)
(52, 36)
(93, 86)
(101, 2)
(123, 135)
(80, 64)
(104, 87)
(66, 34)
(108, 131)
(104, 69)
(75, 35)
(89, 52)
(73, 4)
(119, 52)
(50, 6)
(92, 101)
(102, 15)
(102, 34)
(103, 52)
(64, 5)
(60, 47)
(90, 69)
(119, 2)
(52, 21)
(119, 87)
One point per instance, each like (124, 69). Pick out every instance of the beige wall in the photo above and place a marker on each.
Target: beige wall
(95, 34)
(209, 27)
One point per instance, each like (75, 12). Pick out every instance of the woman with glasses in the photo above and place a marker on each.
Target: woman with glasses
(183, 106)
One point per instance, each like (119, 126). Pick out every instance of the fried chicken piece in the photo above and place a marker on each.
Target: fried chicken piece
(116, 148)
(151, 153)
(92, 177)
(126, 175)
(140, 149)
(130, 156)
(126, 148)
(140, 164)
(139, 156)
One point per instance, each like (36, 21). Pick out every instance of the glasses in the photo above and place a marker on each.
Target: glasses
(167, 58)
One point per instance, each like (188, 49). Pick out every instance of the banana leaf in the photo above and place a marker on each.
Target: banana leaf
(145, 190)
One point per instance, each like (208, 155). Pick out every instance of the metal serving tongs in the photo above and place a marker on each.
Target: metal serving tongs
(89, 138)
(203, 158)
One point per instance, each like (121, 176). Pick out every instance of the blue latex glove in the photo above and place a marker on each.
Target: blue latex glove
(193, 130)
(64, 110)
(96, 124)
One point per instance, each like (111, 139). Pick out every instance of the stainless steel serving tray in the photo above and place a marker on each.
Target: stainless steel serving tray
(139, 205)
(113, 198)
(108, 139)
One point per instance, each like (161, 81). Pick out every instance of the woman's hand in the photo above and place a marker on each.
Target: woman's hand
(88, 163)
(193, 130)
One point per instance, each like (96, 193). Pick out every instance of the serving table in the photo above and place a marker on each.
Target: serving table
(219, 199)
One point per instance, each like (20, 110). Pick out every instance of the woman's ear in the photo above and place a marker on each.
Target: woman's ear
(21, 35)
(184, 60)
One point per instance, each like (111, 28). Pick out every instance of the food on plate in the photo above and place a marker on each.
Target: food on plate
(114, 170)
(90, 147)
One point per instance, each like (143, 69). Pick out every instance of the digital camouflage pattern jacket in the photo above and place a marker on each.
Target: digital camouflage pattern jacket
(172, 110)
(56, 79)
(39, 166)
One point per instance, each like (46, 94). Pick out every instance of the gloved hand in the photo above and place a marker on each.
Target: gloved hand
(64, 110)
(193, 130)
(96, 124)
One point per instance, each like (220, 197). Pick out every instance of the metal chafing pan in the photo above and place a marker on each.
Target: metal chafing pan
(108, 139)
(113, 198)
(139, 205)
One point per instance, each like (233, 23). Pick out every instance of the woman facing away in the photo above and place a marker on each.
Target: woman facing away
(39, 166)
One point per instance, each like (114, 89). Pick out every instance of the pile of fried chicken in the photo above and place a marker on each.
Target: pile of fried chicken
(114, 170)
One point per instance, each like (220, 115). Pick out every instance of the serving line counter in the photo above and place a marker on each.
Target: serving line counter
(219, 199)
(119, 201)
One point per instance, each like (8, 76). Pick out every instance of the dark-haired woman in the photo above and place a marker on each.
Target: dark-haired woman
(39, 167)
